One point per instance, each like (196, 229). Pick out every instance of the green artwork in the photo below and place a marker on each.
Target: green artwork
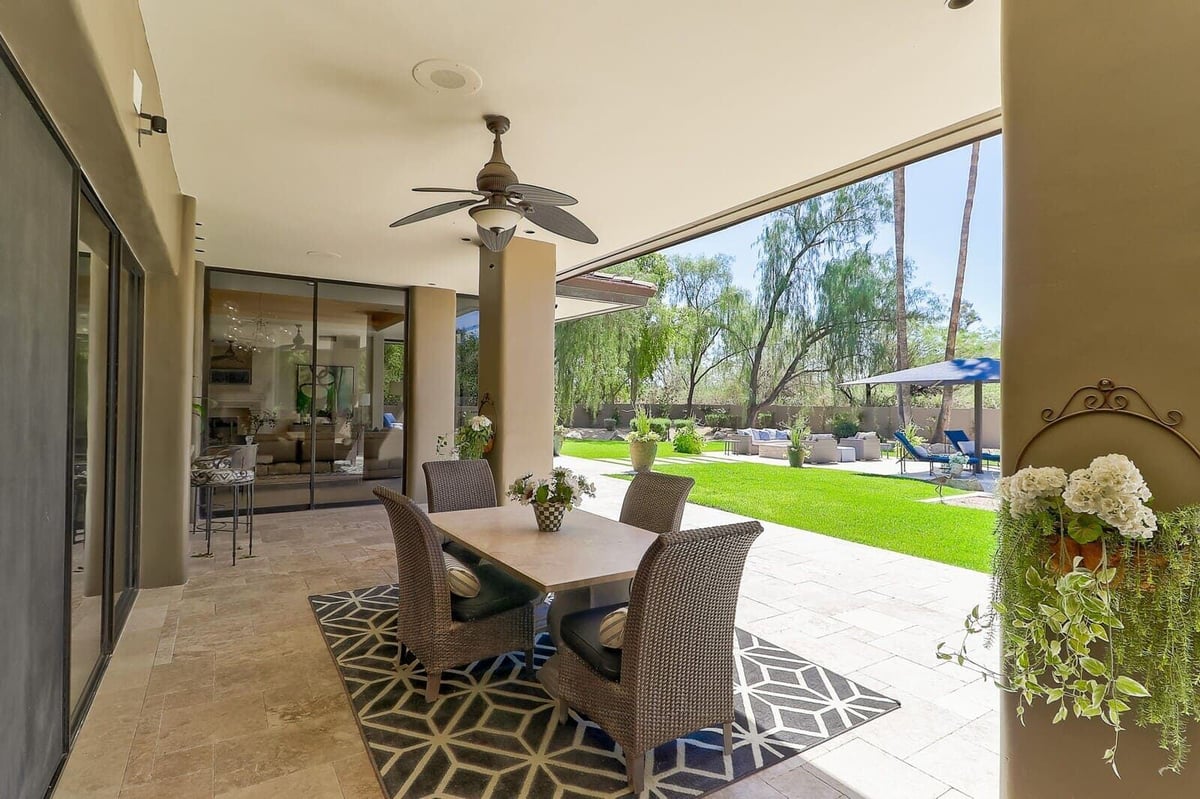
(325, 390)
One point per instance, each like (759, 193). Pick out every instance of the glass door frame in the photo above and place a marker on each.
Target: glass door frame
(315, 283)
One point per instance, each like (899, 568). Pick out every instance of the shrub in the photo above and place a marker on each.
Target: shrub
(660, 426)
(687, 440)
(765, 419)
(844, 425)
(717, 418)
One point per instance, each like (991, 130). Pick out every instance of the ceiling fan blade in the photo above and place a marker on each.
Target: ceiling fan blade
(556, 220)
(436, 210)
(451, 191)
(536, 194)
(495, 240)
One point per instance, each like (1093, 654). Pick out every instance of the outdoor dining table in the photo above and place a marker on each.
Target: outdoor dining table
(588, 550)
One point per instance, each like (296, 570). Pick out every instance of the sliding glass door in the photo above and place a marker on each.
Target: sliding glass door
(103, 516)
(312, 372)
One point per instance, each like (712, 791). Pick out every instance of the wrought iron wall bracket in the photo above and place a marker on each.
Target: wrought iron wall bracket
(1108, 397)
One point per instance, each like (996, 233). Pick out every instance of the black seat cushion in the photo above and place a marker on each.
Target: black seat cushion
(581, 632)
(462, 553)
(498, 592)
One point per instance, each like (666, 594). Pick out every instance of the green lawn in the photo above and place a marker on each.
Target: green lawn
(879, 511)
(620, 449)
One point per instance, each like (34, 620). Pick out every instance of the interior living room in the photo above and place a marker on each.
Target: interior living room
(268, 264)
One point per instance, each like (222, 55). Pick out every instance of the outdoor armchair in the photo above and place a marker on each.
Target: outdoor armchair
(822, 448)
(865, 446)
(674, 674)
(442, 630)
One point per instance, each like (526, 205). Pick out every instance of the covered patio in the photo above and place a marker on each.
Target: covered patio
(224, 687)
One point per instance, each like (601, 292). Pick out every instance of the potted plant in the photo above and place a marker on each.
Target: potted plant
(472, 440)
(958, 462)
(551, 497)
(610, 424)
(798, 433)
(560, 435)
(1095, 602)
(643, 442)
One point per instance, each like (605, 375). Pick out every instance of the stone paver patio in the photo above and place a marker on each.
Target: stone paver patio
(223, 687)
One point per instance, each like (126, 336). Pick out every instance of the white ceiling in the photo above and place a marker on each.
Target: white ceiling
(298, 126)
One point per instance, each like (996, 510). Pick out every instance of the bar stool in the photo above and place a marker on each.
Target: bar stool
(224, 470)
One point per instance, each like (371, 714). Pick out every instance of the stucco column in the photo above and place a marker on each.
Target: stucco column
(516, 356)
(167, 412)
(430, 380)
(1102, 193)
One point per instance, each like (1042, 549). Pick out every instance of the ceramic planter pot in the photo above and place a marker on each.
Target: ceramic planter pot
(642, 454)
(795, 457)
(558, 442)
(549, 516)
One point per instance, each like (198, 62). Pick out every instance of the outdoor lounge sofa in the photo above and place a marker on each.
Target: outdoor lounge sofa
(748, 439)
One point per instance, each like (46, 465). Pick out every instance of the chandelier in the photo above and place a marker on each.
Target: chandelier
(253, 333)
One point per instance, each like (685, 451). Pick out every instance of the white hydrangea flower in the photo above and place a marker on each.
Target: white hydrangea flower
(1031, 489)
(479, 423)
(1113, 489)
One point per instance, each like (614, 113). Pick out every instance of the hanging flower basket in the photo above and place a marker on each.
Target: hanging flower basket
(1095, 599)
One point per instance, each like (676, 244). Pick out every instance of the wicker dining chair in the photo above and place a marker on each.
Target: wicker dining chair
(443, 630)
(674, 674)
(459, 485)
(653, 502)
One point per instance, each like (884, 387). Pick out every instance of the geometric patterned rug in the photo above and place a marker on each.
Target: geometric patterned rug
(492, 735)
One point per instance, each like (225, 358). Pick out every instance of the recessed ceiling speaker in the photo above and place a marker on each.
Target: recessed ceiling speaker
(447, 77)
(955, 5)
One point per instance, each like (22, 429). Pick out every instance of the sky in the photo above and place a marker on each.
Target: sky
(935, 189)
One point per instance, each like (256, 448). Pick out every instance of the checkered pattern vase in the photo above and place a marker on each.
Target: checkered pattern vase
(549, 515)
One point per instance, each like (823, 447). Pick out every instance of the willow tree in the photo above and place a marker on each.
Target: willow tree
(701, 292)
(817, 279)
(608, 358)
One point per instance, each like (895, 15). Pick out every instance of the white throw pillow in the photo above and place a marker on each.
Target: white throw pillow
(461, 580)
(612, 629)
(967, 447)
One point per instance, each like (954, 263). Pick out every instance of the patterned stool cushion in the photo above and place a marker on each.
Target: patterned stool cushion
(210, 477)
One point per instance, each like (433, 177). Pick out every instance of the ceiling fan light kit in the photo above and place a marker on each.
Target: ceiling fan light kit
(501, 201)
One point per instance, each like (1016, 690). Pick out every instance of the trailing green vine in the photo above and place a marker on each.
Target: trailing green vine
(1096, 603)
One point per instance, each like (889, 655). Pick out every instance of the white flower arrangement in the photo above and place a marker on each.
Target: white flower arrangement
(1113, 489)
(562, 486)
(1032, 489)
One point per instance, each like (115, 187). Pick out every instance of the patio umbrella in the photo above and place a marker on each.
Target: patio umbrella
(958, 372)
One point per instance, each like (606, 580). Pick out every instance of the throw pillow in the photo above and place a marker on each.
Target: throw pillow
(967, 447)
(746, 432)
(762, 435)
(781, 435)
(460, 580)
(612, 629)
(921, 452)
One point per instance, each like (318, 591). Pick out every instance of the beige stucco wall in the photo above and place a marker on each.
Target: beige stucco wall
(516, 356)
(430, 411)
(80, 56)
(1102, 271)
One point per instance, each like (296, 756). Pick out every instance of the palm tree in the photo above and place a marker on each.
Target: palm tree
(956, 302)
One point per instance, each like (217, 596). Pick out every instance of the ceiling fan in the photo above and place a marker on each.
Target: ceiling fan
(505, 201)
